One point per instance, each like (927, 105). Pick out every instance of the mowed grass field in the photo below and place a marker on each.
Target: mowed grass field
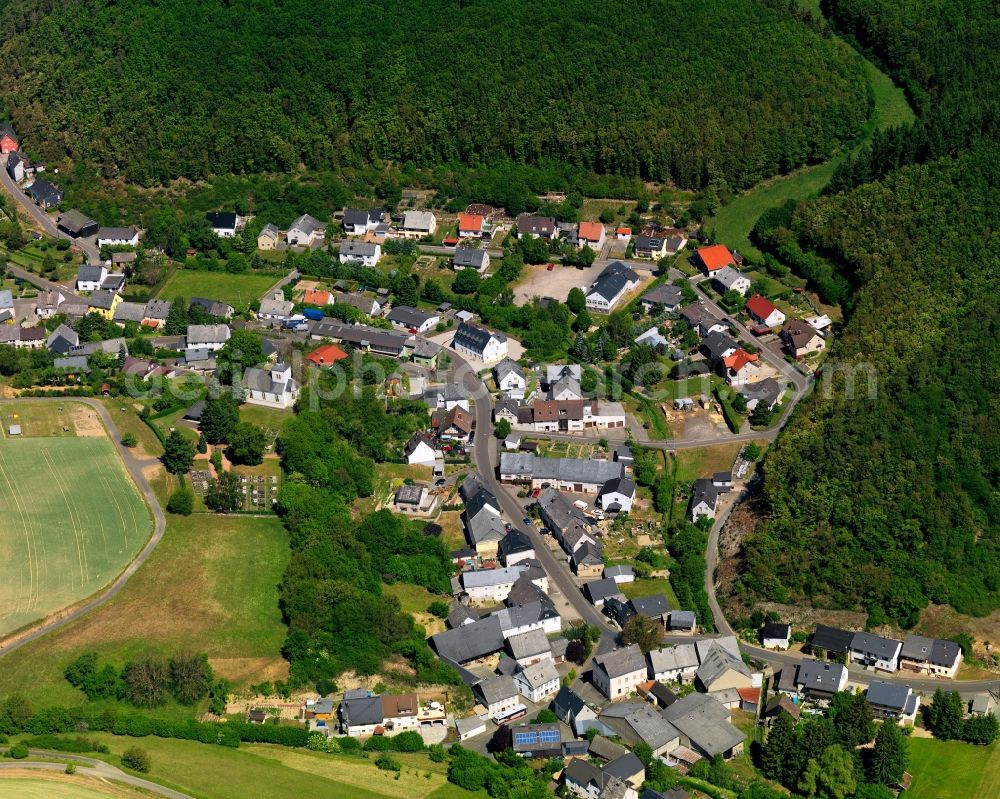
(55, 786)
(953, 770)
(271, 772)
(211, 585)
(72, 520)
(222, 286)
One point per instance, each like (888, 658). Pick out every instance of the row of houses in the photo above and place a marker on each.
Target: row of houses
(915, 653)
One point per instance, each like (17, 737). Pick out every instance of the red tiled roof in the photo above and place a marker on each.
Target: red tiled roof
(470, 222)
(317, 297)
(716, 257)
(760, 307)
(624, 231)
(739, 359)
(591, 231)
(749, 694)
(327, 354)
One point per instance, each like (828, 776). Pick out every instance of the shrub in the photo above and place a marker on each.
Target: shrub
(181, 502)
(70, 768)
(387, 763)
(129, 440)
(19, 751)
(137, 759)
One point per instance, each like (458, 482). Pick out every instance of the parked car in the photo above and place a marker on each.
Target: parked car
(527, 520)
(440, 482)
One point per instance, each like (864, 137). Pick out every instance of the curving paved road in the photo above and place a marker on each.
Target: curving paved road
(95, 768)
(38, 281)
(134, 467)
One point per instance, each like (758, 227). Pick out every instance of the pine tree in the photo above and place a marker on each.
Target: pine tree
(855, 723)
(177, 318)
(775, 752)
(945, 715)
(580, 349)
(890, 755)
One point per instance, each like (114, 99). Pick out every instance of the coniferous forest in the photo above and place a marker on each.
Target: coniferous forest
(724, 91)
(891, 503)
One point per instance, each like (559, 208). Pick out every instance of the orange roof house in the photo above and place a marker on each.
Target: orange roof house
(317, 297)
(470, 224)
(715, 258)
(591, 232)
(326, 355)
(738, 359)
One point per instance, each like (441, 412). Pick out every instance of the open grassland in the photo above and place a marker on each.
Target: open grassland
(953, 770)
(231, 289)
(211, 585)
(72, 521)
(733, 222)
(26, 784)
(215, 772)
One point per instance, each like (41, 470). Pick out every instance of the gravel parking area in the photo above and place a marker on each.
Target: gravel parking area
(537, 281)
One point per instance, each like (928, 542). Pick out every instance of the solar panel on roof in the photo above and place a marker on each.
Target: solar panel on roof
(550, 736)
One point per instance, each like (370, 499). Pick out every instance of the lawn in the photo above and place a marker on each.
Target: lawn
(57, 786)
(214, 772)
(705, 461)
(648, 586)
(649, 415)
(733, 222)
(211, 585)
(45, 419)
(953, 770)
(232, 289)
(73, 521)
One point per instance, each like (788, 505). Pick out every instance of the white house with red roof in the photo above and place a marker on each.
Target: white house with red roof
(623, 233)
(591, 234)
(714, 258)
(471, 226)
(764, 312)
(741, 367)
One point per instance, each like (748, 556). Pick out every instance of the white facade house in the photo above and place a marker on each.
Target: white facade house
(674, 663)
(930, 656)
(869, 649)
(617, 495)
(468, 258)
(364, 252)
(224, 224)
(611, 285)
(203, 340)
(730, 279)
(273, 388)
(538, 681)
(421, 450)
(510, 378)
(491, 585)
(409, 318)
(477, 342)
(89, 277)
(358, 223)
(275, 307)
(118, 237)
(764, 312)
(776, 636)
(417, 224)
(617, 673)
(305, 231)
(498, 695)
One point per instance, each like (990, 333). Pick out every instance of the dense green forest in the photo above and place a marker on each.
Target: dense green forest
(891, 502)
(725, 91)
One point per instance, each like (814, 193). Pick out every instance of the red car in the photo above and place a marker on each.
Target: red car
(550, 267)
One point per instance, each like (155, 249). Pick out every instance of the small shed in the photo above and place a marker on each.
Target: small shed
(14, 430)
(470, 727)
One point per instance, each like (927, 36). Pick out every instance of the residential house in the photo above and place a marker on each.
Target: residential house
(267, 239)
(869, 649)
(114, 282)
(326, 355)
(704, 726)
(9, 140)
(103, 303)
(704, 498)
(16, 164)
(389, 714)
(591, 234)
(714, 258)
(507, 408)
(893, 701)
(702, 319)
(47, 304)
(616, 674)
(418, 224)
(490, 585)
(554, 372)
(817, 679)
(472, 226)
(224, 224)
(214, 308)
(484, 531)
(155, 313)
(569, 526)
(611, 285)
(275, 307)
(272, 388)
(75, 224)
(730, 279)
(569, 474)
(305, 232)
(204, 340)
(129, 312)
(620, 574)
(111, 346)
(363, 252)
(447, 397)
(539, 227)
(471, 258)
(682, 621)
(409, 318)
(624, 456)
(23, 338)
(764, 312)
(930, 656)
(455, 425)
(721, 669)
(499, 695)
(653, 606)
(741, 367)
(363, 337)
(415, 500)
(421, 450)
(117, 237)
(674, 663)
(662, 295)
(777, 705)
(369, 306)
(537, 681)
(515, 547)
(570, 708)
(600, 592)
(62, 340)
(828, 641)
(89, 277)
(510, 378)
(539, 613)
(529, 648)
(587, 560)
(653, 337)
(478, 342)
(801, 339)
(470, 642)
(358, 223)
(617, 495)
(638, 721)
(652, 247)
(719, 346)
(776, 636)
(44, 194)
(767, 391)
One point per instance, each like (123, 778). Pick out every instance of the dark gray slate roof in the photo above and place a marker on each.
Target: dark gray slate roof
(832, 639)
(663, 294)
(888, 695)
(613, 279)
(475, 338)
(470, 641)
(467, 256)
(408, 316)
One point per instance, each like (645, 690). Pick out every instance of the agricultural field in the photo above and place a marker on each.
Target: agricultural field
(953, 770)
(211, 585)
(27, 784)
(232, 289)
(73, 518)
